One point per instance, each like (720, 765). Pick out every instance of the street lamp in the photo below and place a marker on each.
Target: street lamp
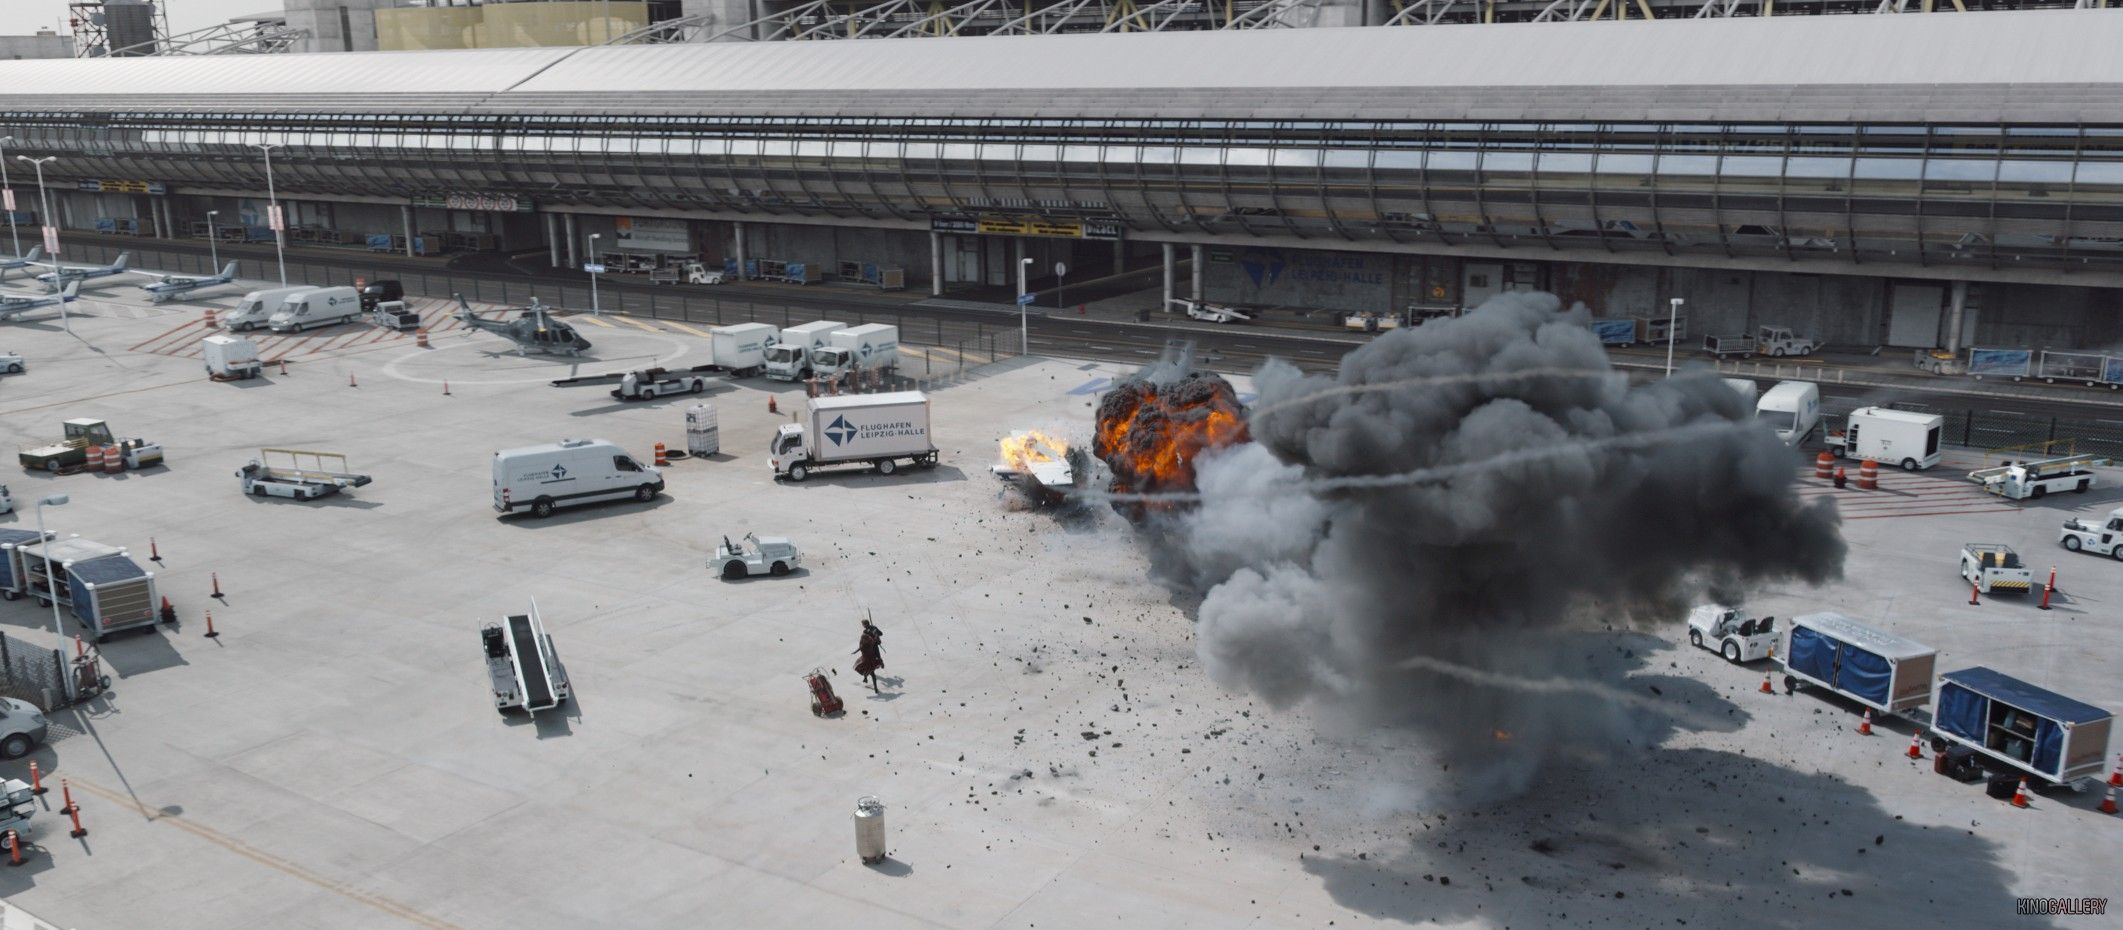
(273, 217)
(593, 275)
(1024, 334)
(45, 543)
(213, 249)
(1673, 318)
(44, 212)
(12, 235)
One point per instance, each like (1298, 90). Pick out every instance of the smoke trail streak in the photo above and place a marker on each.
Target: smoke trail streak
(1558, 687)
(1478, 377)
(1444, 472)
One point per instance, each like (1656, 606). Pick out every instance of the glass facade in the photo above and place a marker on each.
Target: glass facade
(2026, 196)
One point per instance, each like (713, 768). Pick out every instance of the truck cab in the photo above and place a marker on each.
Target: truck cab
(1780, 341)
(2101, 538)
(1792, 408)
(1725, 631)
(832, 361)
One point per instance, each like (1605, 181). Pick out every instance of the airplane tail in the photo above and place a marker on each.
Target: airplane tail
(72, 288)
(123, 257)
(229, 271)
(35, 252)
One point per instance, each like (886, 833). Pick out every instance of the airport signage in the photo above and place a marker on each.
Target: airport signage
(9, 199)
(478, 203)
(110, 186)
(653, 235)
(51, 241)
(1032, 225)
(593, 268)
(276, 218)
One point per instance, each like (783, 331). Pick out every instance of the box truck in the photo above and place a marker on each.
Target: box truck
(874, 347)
(790, 357)
(230, 358)
(741, 348)
(1879, 670)
(567, 473)
(1792, 408)
(321, 306)
(2053, 739)
(1898, 437)
(856, 429)
(258, 307)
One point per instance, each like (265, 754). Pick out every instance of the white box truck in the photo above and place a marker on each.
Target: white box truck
(741, 348)
(790, 357)
(570, 472)
(1898, 437)
(874, 347)
(321, 306)
(230, 358)
(257, 307)
(1792, 408)
(856, 429)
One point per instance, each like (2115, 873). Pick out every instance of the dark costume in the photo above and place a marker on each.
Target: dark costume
(872, 650)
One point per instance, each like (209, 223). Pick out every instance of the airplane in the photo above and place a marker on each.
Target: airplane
(16, 303)
(167, 286)
(62, 273)
(10, 264)
(531, 332)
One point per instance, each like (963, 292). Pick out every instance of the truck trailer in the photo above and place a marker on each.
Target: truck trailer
(1899, 437)
(741, 348)
(2051, 738)
(1879, 670)
(230, 358)
(874, 347)
(789, 358)
(877, 430)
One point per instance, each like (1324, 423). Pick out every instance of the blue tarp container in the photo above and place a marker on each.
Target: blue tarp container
(2112, 370)
(1615, 332)
(2033, 729)
(2000, 363)
(11, 582)
(111, 593)
(1879, 670)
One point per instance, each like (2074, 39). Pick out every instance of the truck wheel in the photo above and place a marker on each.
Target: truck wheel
(1909, 464)
(733, 570)
(258, 490)
(698, 386)
(1790, 684)
(542, 507)
(2072, 543)
(2116, 553)
(1695, 638)
(798, 473)
(2084, 483)
(15, 746)
(780, 569)
(645, 493)
(51, 465)
(15, 369)
(1732, 653)
(887, 466)
(2041, 491)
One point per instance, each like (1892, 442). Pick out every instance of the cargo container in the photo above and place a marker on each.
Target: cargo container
(741, 349)
(2052, 738)
(106, 591)
(1879, 670)
(2000, 363)
(12, 583)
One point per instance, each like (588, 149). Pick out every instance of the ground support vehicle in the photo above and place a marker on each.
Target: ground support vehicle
(1993, 567)
(522, 666)
(1725, 631)
(755, 555)
(1898, 437)
(2103, 538)
(2040, 477)
(230, 358)
(1880, 670)
(298, 474)
(570, 472)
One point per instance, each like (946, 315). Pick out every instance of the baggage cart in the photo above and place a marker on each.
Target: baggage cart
(2082, 367)
(2051, 738)
(1879, 670)
(2000, 363)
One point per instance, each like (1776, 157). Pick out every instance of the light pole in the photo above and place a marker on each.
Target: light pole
(45, 545)
(213, 248)
(44, 211)
(593, 275)
(273, 215)
(1673, 319)
(1024, 333)
(12, 235)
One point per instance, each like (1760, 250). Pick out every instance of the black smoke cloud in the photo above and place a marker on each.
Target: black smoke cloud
(1484, 500)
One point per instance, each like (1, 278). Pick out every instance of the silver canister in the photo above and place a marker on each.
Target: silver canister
(870, 829)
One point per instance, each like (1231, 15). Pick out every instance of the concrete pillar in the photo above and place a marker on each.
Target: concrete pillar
(1958, 294)
(737, 233)
(569, 220)
(1120, 256)
(1171, 272)
(1017, 264)
(936, 264)
(552, 241)
(169, 218)
(1197, 272)
(405, 222)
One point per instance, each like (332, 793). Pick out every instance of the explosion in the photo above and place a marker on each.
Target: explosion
(1022, 451)
(1150, 430)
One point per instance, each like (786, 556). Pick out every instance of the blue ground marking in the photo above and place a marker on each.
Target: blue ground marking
(1092, 386)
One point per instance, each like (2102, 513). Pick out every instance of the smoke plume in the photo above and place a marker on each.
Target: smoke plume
(1410, 540)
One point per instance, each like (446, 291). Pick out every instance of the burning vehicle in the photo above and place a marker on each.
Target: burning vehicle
(1151, 428)
(1043, 466)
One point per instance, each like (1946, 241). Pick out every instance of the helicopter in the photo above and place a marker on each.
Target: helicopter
(532, 331)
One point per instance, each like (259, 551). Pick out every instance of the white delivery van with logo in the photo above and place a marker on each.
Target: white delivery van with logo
(570, 472)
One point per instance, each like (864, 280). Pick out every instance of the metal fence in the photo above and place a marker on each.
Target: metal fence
(950, 348)
(32, 673)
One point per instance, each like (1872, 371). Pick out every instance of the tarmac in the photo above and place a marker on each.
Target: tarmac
(1048, 750)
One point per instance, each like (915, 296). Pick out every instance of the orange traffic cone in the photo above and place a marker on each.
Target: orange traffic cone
(1916, 745)
(770, 405)
(2108, 802)
(1766, 687)
(1975, 588)
(1865, 725)
(350, 382)
(2115, 778)
(2019, 795)
(445, 387)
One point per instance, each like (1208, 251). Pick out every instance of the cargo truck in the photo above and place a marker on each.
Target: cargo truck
(878, 430)
(1899, 437)
(741, 348)
(864, 349)
(789, 359)
(230, 358)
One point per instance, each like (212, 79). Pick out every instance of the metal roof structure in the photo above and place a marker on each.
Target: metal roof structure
(1990, 67)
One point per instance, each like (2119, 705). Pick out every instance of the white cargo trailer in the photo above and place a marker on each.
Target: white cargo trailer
(878, 430)
(874, 347)
(230, 358)
(790, 357)
(1897, 437)
(741, 348)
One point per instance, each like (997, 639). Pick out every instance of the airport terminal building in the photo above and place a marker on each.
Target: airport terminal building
(1900, 180)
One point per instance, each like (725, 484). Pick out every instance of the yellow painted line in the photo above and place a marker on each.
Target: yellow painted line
(584, 318)
(637, 323)
(696, 332)
(234, 845)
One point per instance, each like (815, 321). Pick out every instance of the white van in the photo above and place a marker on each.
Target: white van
(320, 306)
(257, 307)
(1792, 408)
(569, 472)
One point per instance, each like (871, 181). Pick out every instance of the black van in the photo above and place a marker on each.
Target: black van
(377, 292)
